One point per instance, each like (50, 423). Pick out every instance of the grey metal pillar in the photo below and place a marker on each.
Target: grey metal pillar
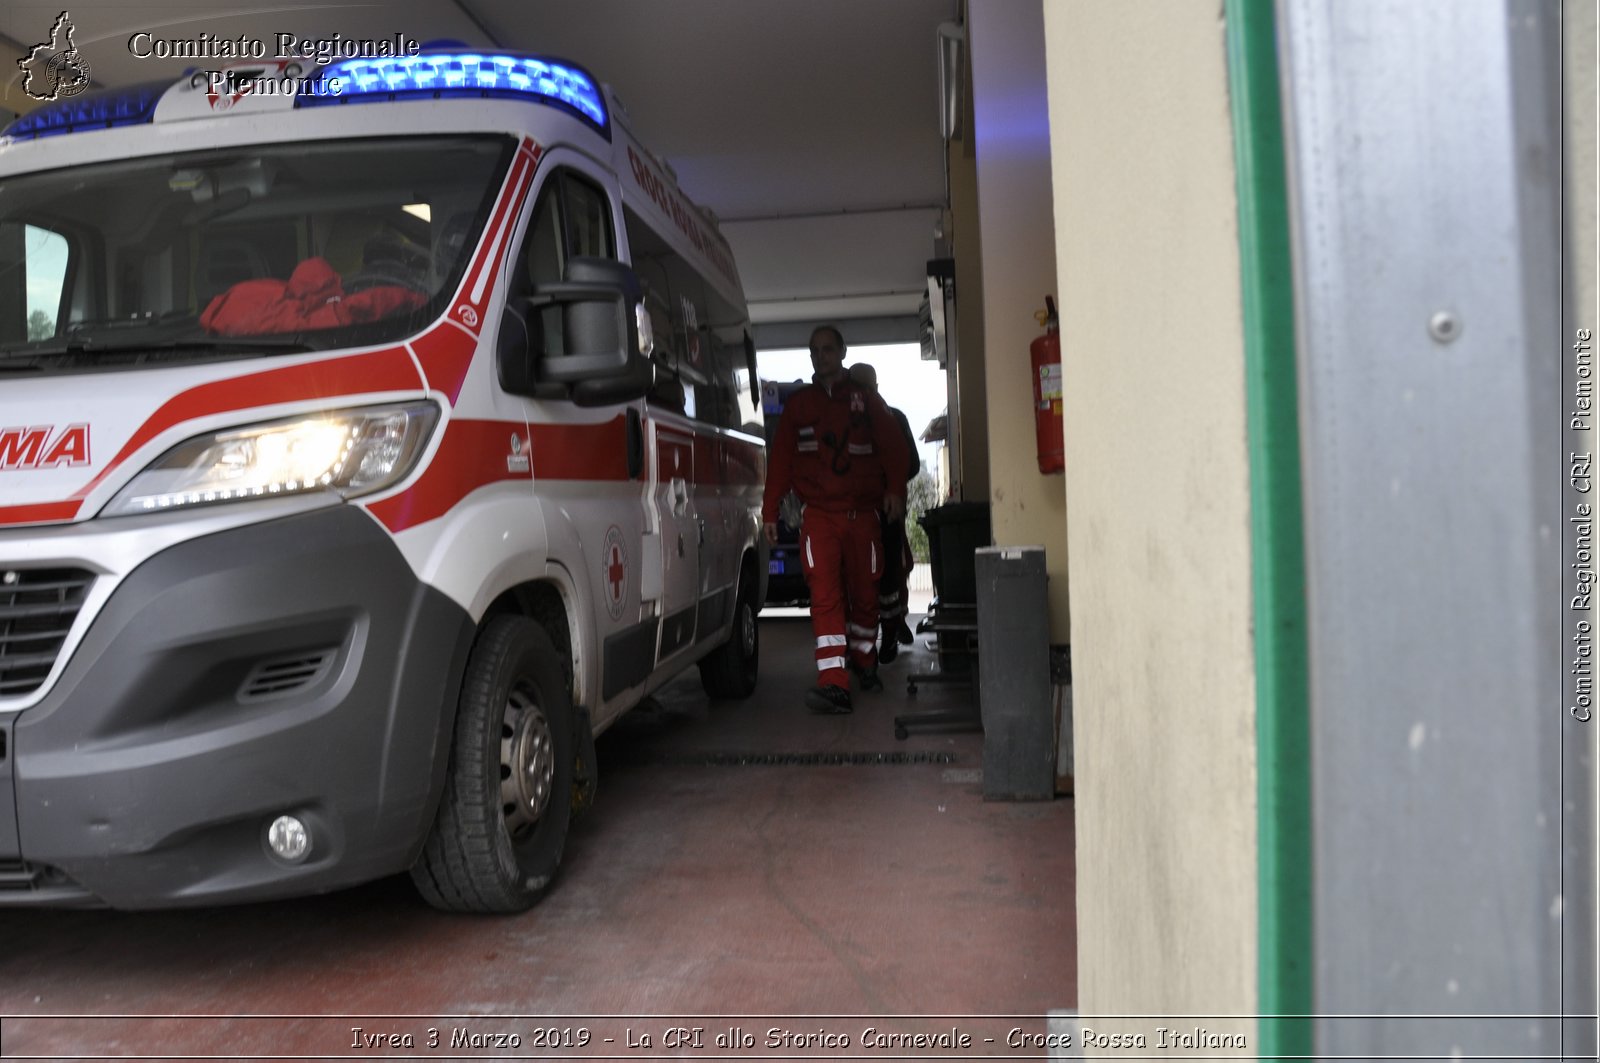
(1014, 689)
(1424, 172)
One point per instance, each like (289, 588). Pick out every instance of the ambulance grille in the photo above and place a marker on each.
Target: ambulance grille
(37, 608)
(282, 676)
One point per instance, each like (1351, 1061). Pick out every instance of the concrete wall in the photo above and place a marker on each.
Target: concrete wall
(1581, 188)
(969, 472)
(1583, 199)
(1157, 485)
(1019, 269)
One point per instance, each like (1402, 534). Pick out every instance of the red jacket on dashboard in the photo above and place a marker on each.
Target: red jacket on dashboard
(832, 448)
(312, 298)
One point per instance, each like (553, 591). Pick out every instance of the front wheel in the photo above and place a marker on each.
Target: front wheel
(731, 670)
(502, 823)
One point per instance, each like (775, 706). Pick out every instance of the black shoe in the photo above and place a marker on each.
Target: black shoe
(888, 649)
(867, 677)
(829, 700)
(903, 636)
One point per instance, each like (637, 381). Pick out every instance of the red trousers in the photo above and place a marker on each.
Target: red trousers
(843, 559)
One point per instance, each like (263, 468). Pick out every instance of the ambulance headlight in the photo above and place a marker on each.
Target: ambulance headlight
(343, 452)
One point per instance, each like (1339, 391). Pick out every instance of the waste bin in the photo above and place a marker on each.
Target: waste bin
(955, 532)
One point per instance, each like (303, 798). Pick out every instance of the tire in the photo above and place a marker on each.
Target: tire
(496, 841)
(730, 671)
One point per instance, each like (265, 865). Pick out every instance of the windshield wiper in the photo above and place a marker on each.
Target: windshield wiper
(89, 346)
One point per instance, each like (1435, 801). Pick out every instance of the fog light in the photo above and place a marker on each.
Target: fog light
(289, 839)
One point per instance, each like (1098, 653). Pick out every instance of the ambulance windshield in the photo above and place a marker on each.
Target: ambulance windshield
(241, 250)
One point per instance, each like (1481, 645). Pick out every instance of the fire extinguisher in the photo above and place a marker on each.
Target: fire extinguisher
(1046, 354)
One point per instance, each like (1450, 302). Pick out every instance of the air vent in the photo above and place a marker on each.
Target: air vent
(37, 608)
(282, 676)
(48, 885)
(18, 875)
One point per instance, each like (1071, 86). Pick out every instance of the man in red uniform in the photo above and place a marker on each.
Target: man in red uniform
(839, 449)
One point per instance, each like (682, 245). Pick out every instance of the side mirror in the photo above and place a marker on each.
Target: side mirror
(755, 374)
(599, 357)
(635, 383)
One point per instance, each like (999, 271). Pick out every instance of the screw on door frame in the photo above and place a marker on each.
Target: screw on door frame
(1444, 326)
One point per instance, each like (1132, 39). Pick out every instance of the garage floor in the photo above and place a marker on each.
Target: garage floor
(703, 887)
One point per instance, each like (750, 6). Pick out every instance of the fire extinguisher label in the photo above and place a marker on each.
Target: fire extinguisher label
(1049, 385)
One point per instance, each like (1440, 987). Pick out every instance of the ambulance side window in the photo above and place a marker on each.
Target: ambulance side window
(542, 259)
(572, 217)
(588, 215)
(731, 378)
(683, 315)
(33, 274)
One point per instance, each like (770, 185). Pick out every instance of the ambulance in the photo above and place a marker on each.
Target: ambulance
(366, 449)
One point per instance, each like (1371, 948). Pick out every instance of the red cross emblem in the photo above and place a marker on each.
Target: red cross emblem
(614, 570)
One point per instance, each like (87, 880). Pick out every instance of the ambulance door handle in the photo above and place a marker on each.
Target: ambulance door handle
(635, 445)
(702, 531)
(680, 496)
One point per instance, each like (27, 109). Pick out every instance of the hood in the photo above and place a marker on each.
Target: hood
(69, 442)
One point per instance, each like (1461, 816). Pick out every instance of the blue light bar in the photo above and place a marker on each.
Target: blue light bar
(98, 110)
(438, 75)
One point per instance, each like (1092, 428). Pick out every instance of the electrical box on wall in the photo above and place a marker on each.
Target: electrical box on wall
(936, 320)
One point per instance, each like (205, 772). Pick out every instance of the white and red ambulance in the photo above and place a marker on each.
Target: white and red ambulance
(363, 454)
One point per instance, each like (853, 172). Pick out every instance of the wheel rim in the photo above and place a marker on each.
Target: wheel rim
(747, 631)
(527, 763)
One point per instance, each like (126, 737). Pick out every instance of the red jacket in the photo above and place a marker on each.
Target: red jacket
(832, 449)
(312, 298)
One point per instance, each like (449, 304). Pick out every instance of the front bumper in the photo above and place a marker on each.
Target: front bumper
(294, 666)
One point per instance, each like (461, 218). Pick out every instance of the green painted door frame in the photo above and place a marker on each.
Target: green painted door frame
(1283, 753)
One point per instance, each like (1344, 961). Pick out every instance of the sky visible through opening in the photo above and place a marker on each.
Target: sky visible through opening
(905, 381)
(46, 270)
